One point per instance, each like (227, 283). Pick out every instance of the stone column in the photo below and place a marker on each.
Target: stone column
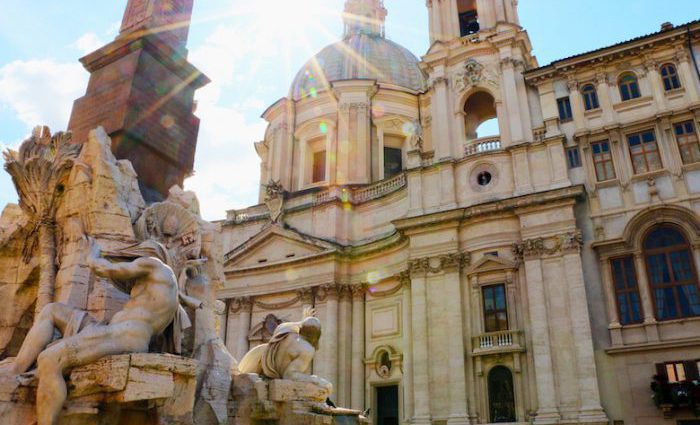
(645, 294)
(609, 288)
(512, 103)
(657, 89)
(457, 381)
(686, 74)
(440, 113)
(343, 149)
(238, 327)
(419, 321)
(644, 290)
(357, 399)
(547, 412)
(407, 355)
(344, 329)
(576, 104)
(603, 89)
(329, 337)
(302, 165)
(590, 409)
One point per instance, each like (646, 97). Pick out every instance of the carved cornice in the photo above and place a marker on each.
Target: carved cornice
(550, 246)
(438, 264)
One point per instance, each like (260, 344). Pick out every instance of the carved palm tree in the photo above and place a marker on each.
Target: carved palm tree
(39, 172)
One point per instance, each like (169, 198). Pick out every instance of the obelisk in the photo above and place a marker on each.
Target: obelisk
(141, 90)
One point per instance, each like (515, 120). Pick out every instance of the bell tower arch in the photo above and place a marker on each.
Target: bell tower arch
(453, 19)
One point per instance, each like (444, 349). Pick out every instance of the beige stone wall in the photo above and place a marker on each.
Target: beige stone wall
(398, 266)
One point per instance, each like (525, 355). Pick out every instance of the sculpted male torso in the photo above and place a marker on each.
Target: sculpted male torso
(151, 308)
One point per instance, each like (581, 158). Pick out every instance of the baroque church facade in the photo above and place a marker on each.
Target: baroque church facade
(545, 273)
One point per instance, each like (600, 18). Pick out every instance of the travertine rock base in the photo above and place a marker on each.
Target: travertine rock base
(137, 389)
(283, 402)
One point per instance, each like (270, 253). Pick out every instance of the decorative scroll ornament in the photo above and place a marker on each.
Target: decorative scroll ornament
(537, 247)
(473, 74)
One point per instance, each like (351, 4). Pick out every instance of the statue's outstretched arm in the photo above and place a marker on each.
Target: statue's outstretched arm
(116, 271)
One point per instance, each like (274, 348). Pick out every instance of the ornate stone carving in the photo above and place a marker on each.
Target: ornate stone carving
(415, 139)
(240, 304)
(358, 291)
(40, 171)
(289, 353)
(572, 84)
(538, 247)
(438, 264)
(274, 199)
(473, 74)
(306, 295)
(327, 291)
(153, 290)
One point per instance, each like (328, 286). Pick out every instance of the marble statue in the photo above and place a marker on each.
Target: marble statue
(289, 353)
(142, 272)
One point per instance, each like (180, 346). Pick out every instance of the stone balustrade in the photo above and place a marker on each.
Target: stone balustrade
(482, 145)
(497, 342)
(362, 194)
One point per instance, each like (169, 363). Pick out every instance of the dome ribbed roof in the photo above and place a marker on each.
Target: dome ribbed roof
(359, 56)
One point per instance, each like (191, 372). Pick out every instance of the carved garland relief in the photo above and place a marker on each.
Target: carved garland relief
(538, 247)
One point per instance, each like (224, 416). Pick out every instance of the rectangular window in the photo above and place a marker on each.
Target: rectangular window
(565, 113)
(602, 160)
(644, 152)
(626, 290)
(675, 372)
(319, 167)
(574, 157)
(687, 139)
(495, 308)
(393, 162)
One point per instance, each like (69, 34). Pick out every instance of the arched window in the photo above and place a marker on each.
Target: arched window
(629, 86)
(501, 395)
(468, 17)
(590, 97)
(670, 77)
(672, 274)
(481, 117)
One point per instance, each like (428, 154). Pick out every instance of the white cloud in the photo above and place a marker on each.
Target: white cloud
(227, 169)
(88, 43)
(42, 91)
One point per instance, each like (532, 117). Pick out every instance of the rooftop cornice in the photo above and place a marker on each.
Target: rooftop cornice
(614, 52)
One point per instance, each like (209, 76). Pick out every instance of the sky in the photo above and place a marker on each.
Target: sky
(252, 49)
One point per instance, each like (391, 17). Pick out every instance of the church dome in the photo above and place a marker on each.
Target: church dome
(363, 54)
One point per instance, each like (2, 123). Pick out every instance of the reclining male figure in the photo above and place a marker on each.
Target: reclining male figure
(151, 308)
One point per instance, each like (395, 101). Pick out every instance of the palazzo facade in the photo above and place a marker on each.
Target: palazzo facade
(485, 240)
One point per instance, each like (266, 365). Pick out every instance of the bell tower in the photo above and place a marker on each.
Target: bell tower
(141, 90)
(452, 19)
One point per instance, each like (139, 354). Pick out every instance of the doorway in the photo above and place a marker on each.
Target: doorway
(501, 396)
(388, 405)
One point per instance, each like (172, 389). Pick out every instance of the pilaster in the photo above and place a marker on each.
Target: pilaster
(419, 329)
(358, 347)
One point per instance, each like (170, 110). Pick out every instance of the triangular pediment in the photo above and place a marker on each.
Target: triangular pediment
(489, 263)
(275, 245)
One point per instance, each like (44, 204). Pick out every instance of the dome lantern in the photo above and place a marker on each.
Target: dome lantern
(364, 17)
